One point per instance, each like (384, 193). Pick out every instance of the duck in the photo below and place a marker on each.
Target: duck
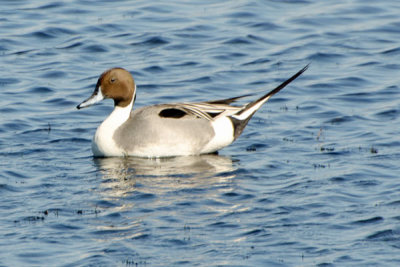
(167, 130)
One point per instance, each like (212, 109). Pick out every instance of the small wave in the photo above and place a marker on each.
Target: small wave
(384, 235)
(72, 45)
(142, 196)
(371, 220)
(60, 102)
(256, 147)
(15, 125)
(242, 14)
(389, 114)
(9, 188)
(6, 110)
(255, 232)
(238, 41)
(140, 236)
(265, 26)
(186, 64)
(40, 90)
(50, 33)
(52, 5)
(257, 62)
(63, 227)
(96, 48)
(352, 81)
(15, 174)
(324, 57)
(70, 140)
(153, 41)
(8, 81)
(223, 225)
(230, 56)
(204, 79)
(391, 51)
(54, 74)
(200, 27)
(154, 69)
(341, 120)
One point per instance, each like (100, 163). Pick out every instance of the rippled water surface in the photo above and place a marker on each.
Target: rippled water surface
(313, 180)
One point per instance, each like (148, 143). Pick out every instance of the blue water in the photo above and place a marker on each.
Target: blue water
(314, 180)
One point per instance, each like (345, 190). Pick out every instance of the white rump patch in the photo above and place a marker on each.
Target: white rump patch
(224, 131)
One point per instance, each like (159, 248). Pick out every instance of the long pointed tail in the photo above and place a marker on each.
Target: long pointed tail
(241, 118)
(252, 107)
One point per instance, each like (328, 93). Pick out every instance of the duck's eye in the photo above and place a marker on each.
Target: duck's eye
(113, 79)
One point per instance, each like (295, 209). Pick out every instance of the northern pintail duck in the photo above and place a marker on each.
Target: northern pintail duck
(166, 130)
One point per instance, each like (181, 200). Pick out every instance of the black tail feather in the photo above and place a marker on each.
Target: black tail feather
(276, 90)
(240, 124)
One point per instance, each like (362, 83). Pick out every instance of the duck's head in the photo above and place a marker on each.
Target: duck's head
(117, 84)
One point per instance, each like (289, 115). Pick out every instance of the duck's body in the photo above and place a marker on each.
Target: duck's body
(188, 135)
(167, 129)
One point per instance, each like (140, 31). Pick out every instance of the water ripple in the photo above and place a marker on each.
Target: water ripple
(311, 181)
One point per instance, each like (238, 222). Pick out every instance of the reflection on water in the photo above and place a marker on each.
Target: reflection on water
(157, 192)
(123, 176)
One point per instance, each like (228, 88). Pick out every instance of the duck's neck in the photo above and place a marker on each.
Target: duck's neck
(118, 116)
(103, 142)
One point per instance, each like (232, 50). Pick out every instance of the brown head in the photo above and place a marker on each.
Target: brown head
(117, 84)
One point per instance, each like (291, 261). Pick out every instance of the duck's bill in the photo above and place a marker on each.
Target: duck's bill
(96, 97)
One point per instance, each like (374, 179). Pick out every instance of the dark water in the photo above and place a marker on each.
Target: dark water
(313, 180)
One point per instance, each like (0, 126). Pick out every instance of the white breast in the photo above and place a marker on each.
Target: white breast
(103, 143)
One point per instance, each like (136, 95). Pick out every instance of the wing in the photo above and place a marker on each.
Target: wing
(207, 110)
(203, 110)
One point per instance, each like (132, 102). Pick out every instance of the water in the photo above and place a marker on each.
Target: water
(313, 180)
